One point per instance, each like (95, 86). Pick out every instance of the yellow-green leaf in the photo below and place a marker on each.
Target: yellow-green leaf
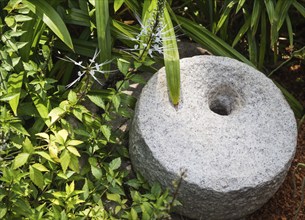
(74, 142)
(73, 150)
(117, 4)
(15, 84)
(64, 160)
(36, 177)
(40, 167)
(20, 160)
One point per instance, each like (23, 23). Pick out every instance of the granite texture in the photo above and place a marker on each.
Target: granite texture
(233, 132)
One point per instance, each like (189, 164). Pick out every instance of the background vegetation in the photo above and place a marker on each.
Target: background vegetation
(64, 68)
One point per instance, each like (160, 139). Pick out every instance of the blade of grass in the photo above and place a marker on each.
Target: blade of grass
(225, 15)
(281, 11)
(51, 18)
(210, 41)
(103, 31)
(299, 7)
(133, 5)
(240, 5)
(171, 59)
(242, 31)
(263, 40)
(252, 47)
(289, 30)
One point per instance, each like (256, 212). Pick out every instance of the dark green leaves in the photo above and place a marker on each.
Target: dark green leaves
(51, 18)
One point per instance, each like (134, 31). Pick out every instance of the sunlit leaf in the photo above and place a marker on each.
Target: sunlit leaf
(20, 160)
(36, 177)
(51, 18)
(115, 164)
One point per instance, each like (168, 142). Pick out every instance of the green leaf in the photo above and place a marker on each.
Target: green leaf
(15, 84)
(225, 15)
(123, 66)
(36, 177)
(20, 160)
(117, 4)
(133, 214)
(240, 5)
(171, 59)
(44, 136)
(242, 31)
(62, 136)
(210, 41)
(40, 167)
(55, 114)
(156, 190)
(45, 155)
(74, 142)
(114, 197)
(255, 13)
(28, 146)
(299, 7)
(96, 172)
(74, 163)
(116, 100)
(65, 160)
(72, 97)
(115, 164)
(281, 11)
(98, 100)
(85, 189)
(3, 210)
(9, 96)
(138, 79)
(73, 150)
(106, 132)
(19, 128)
(42, 108)
(263, 41)
(51, 18)
(103, 31)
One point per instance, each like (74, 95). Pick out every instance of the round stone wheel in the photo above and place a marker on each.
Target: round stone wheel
(233, 133)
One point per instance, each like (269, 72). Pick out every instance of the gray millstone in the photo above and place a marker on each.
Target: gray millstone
(233, 132)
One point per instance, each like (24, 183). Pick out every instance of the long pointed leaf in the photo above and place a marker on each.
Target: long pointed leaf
(171, 59)
(210, 41)
(51, 18)
(103, 31)
(299, 7)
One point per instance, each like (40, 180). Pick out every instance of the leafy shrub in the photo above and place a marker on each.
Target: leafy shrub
(61, 156)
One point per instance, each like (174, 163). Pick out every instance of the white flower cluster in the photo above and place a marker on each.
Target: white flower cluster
(154, 37)
(92, 68)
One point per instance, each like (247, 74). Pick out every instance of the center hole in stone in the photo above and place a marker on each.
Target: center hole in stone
(223, 100)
